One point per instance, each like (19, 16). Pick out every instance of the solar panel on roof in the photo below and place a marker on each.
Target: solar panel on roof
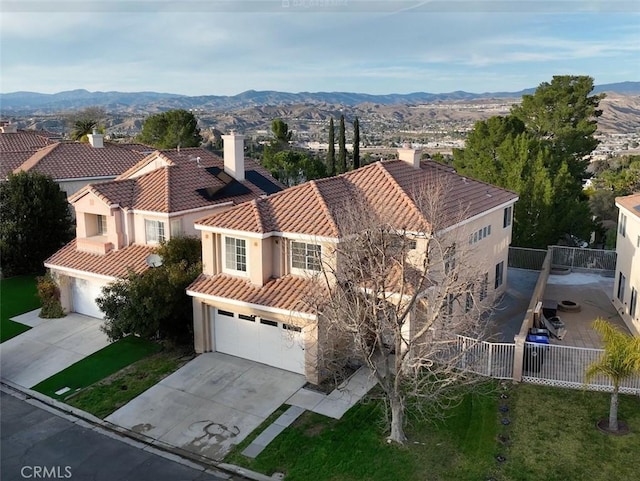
(636, 207)
(261, 182)
(231, 187)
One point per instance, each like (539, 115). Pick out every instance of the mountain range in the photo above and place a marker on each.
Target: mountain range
(25, 103)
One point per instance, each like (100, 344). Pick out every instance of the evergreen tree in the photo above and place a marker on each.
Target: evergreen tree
(331, 154)
(171, 129)
(35, 222)
(342, 149)
(538, 151)
(356, 143)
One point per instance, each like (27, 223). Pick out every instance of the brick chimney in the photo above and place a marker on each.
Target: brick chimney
(96, 140)
(410, 156)
(234, 155)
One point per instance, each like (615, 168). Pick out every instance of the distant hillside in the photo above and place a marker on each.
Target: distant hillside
(30, 103)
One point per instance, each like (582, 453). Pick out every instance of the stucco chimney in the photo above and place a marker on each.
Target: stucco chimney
(234, 155)
(96, 140)
(410, 156)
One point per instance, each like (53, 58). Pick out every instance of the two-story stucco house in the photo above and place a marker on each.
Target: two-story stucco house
(259, 258)
(119, 222)
(627, 281)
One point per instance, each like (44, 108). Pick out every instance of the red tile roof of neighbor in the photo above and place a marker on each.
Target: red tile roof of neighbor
(77, 160)
(183, 184)
(393, 189)
(112, 264)
(631, 203)
(286, 292)
(16, 148)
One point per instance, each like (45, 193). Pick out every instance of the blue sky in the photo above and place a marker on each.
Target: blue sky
(216, 47)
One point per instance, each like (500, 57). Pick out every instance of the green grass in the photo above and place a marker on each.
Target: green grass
(104, 397)
(17, 296)
(551, 436)
(354, 448)
(554, 437)
(97, 366)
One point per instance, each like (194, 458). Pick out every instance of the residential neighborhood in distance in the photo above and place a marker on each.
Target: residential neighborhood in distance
(393, 284)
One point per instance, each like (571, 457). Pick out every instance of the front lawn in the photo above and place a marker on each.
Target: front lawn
(354, 448)
(17, 296)
(106, 396)
(97, 366)
(543, 434)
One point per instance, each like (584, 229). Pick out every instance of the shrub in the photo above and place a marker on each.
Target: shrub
(49, 294)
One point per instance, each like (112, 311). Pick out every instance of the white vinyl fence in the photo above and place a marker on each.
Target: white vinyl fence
(565, 366)
(546, 364)
(492, 359)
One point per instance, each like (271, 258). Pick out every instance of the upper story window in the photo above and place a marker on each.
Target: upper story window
(154, 231)
(235, 254)
(480, 234)
(450, 259)
(101, 225)
(176, 227)
(622, 227)
(305, 256)
(508, 215)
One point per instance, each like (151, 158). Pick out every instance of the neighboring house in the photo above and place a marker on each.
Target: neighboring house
(73, 165)
(119, 222)
(627, 282)
(16, 146)
(259, 258)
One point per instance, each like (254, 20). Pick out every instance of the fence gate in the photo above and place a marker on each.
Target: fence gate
(493, 359)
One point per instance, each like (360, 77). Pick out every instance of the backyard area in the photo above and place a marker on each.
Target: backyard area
(550, 435)
(18, 295)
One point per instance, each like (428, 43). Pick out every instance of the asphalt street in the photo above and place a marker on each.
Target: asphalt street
(37, 444)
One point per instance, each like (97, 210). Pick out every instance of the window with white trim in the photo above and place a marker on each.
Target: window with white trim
(235, 254)
(480, 234)
(622, 227)
(499, 274)
(176, 227)
(622, 280)
(101, 225)
(154, 231)
(305, 256)
(484, 287)
(508, 214)
(632, 304)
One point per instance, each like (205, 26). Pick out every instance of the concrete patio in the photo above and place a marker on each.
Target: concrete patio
(593, 293)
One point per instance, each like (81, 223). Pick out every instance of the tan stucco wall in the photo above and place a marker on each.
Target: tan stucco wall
(628, 262)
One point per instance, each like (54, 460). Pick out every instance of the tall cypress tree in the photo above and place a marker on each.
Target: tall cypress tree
(356, 143)
(342, 149)
(331, 154)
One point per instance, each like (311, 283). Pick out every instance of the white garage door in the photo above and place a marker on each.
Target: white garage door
(84, 295)
(258, 339)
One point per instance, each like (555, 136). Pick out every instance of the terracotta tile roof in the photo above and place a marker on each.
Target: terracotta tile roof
(76, 160)
(184, 183)
(391, 188)
(25, 141)
(286, 292)
(113, 263)
(631, 203)
(16, 148)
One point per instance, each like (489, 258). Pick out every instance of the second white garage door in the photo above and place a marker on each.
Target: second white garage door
(84, 294)
(258, 339)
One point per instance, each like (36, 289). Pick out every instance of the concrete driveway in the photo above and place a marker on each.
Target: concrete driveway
(210, 404)
(50, 346)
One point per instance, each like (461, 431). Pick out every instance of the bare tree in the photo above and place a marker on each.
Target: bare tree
(394, 297)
